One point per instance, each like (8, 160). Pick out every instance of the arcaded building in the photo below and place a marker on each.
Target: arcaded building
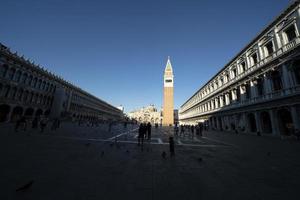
(29, 90)
(259, 89)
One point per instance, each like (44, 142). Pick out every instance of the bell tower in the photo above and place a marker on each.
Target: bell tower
(168, 102)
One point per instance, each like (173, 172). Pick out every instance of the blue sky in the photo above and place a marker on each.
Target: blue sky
(117, 49)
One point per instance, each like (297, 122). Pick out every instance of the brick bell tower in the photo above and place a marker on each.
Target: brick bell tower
(168, 102)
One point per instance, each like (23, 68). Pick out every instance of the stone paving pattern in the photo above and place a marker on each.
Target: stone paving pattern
(66, 165)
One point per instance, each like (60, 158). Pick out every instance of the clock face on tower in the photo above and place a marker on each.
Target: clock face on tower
(168, 82)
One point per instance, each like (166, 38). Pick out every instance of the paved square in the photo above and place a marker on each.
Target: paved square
(86, 163)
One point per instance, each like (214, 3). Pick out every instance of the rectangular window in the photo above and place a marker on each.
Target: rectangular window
(297, 71)
(269, 48)
(254, 59)
(243, 66)
(290, 33)
(276, 80)
(234, 72)
(248, 91)
(260, 87)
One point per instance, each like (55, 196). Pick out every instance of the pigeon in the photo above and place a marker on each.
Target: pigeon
(200, 159)
(25, 187)
(164, 155)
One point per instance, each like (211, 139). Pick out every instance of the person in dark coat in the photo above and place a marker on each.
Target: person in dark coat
(172, 146)
(35, 123)
(149, 131)
(141, 135)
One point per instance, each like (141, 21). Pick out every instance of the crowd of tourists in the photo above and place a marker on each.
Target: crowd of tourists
(144, 133)
(189, 130)
(37, 123)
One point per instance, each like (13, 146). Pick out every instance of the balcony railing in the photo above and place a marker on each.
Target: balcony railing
(284, 49)
(260, 99)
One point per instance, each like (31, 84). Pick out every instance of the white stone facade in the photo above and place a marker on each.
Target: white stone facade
(259, 89)
(146, 114)
(29, 90)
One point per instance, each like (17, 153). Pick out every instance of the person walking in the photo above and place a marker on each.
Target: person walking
(181, 130)
(43, 124)
(141, 135)
(172, 146)
(176, 130)
(110, 126)
(18, 123)
(35, 123)
(297, 134)
(149, 131)
(192, 130)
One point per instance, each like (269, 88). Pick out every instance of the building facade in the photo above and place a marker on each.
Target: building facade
(29, 90)
(259, 89)
(168, 101)
(146, 114)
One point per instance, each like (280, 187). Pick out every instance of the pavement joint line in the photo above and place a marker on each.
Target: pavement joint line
(159, 141)
(214, 140)
(179, 142)
(116, 136)
(130, 142)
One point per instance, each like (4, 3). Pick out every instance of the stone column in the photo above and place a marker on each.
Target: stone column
(276, 42)
(226, 99)
(212, 103)
(216, 103)
(244, 122)
(257, 120)
(296, 118)
(285, 77)
(233, 94)
(9, 114)
(274, 122)
(267, 84)
(253, 89)
(242, 92)
(260, 53)
(223, 122)
(221, 101)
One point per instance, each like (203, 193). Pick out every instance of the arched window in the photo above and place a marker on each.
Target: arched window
(20, 94)
(11, 73)
(25, 96)
(34, 82)
(24, 78)
(43, 85)
(47, 87)
(18, 76)
(29, 80)
(14, 93)
(3, 70)
(29, 99)
(6, 91)
(39, 84)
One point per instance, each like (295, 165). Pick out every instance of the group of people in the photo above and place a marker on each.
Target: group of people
(189, 130)
(36, 123)
(144, 133)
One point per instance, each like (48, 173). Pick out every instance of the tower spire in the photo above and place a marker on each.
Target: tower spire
(169, 65)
